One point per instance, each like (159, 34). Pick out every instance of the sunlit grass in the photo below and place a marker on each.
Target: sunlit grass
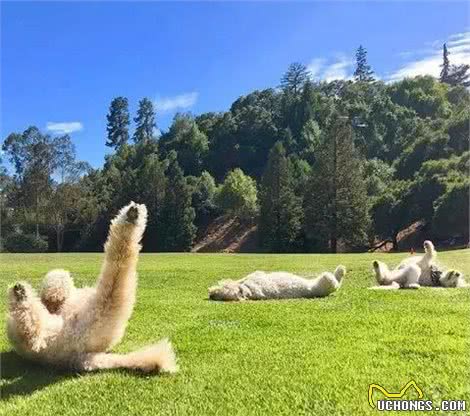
(275, 357)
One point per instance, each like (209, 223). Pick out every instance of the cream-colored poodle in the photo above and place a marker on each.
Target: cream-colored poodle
(417, 271)
(75, 327)
(278, 285)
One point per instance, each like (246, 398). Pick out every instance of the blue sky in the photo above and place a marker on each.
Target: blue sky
(63, 62)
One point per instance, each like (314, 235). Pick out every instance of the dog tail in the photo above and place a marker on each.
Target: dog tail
(159, 358)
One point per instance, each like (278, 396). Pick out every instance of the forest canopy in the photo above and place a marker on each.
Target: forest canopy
(315, 165)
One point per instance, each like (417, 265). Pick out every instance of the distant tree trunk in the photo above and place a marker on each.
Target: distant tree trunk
(395, 241)
(334, 244)
(37, 217)
(60, 237)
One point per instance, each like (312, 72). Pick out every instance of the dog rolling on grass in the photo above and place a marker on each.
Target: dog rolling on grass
(277, 285)
(73, 328)
(417, 271)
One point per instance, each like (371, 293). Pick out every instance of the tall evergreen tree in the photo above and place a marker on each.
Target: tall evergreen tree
(445, 64)
(118, 123)
(294, 78)
(177, 216)
(145, 122)
(335, 203)
(363, 72)
(281, 210)
(454, 74)
(460, 75)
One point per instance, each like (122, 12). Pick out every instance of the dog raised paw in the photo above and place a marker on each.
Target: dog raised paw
(132, 214)
(19, 291)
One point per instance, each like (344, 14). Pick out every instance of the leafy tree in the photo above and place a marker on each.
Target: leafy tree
(434, 179)
(310, 139)
(177, 216)
(145, 122)
(422, 94)
(151, 184)
(335, 201)
(378, 176)
(190, 144)
(281, 209)
(363, 72)
(451, 212)
(238, 196)
(203, 196)
(391, 212)
(62, 209)
(34, 158)
(118, 123)
(431, 144)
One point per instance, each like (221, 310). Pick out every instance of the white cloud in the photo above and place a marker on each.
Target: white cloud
(341, 69)
(458, 46)
(315, 66)
(182, 101)
(64, 127)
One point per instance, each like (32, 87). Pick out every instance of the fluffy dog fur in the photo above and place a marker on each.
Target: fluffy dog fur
(417, 271)
(278, 285)
(73, 328)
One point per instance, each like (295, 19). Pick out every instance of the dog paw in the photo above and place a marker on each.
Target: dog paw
(132, 214)
(428, 245)
(413, 286)
(19, 291)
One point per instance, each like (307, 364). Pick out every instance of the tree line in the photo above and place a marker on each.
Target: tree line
(316, 165)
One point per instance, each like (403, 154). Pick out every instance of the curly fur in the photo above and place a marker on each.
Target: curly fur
(417, 271)
(74, 327)
(278, 285)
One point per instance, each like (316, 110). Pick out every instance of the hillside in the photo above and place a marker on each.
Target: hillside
(228, 235)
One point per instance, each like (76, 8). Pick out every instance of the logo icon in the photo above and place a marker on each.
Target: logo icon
(388, 395)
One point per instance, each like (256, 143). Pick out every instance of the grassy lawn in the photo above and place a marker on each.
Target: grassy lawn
(274, 357)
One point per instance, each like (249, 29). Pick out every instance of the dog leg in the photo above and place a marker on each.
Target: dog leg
(324, 285)
(29, 321)
(115, 292)
(339, 273)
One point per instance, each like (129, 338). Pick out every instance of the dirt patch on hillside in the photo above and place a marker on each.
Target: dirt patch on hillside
(229, 235)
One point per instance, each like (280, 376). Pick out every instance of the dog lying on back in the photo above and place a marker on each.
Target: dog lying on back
(73, 328)
(417, 271)
(277, 285)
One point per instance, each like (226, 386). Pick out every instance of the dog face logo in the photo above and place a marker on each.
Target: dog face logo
(388, 395)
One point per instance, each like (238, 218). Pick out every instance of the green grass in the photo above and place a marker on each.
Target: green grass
(287, 357)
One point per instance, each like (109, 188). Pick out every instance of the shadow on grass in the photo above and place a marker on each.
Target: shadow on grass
(20, 377)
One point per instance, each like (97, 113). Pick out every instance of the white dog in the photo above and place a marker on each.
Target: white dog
(277, 285)
(73, 328)
(417, 271)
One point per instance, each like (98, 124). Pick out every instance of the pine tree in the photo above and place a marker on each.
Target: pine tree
(335, 202)
(459, 75)
(118, 123)
(177, 216)
(445, 64)
(281, 209)
(145, 122)
(363, 72)
(454, 74)
(294, 79)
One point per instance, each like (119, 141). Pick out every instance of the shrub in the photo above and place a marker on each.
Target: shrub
(25, 243)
